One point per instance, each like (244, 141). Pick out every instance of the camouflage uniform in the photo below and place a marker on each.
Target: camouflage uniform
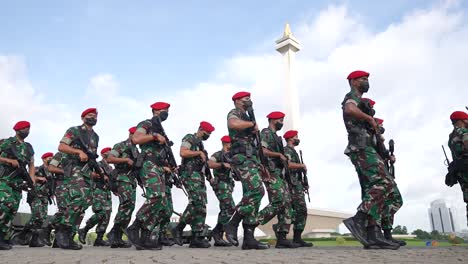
(164, 225)
(245, 164)
(297, 192)
(124, 183)
(194, 182)
(223, 187)
(154, 209)
(39, 203)
(376, 182)
(277, 187)
(11, 188)
(77, 175)
(60, 190)
(456, 144)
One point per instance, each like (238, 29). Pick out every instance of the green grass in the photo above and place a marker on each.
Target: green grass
(354, 243)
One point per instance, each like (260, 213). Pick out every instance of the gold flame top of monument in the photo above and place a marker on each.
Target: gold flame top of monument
(287, 31)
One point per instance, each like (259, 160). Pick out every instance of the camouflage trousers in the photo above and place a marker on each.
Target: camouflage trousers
(164, 225)
(299, 207)
(195, 212)
(154, 209)
(78, 196)
(463, 180)
(392, 204)
(223, 190)
(38, 207)
(279, 198)
(376, 184)
(126, 191)
(60, 199)
(102, 208)
(248, 171)
(9, 203)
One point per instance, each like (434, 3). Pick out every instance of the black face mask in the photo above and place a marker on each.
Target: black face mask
(278, 126)
(382, 130)
(247, 103)
(23, 134)
(163, 115)
(364, 86)
(91, 121)
(296, 142)
(205, 136)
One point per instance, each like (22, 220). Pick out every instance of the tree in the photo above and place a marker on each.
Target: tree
(421, 234)
(399, 230)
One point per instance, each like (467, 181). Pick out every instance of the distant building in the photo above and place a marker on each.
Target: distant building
(441, 217)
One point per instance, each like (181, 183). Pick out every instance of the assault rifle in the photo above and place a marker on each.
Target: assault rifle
(451, 178)
(263, 160)
(305, 180)
(390, 165)
(107, 171)
(50, 185)
(167, 152)
(92, 163)
(287, 172)
(135, 171)
(205, 167)
(22, 172)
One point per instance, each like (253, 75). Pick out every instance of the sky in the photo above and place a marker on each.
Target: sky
(58, 59)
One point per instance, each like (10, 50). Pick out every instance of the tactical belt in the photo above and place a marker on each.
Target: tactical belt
(361, 142)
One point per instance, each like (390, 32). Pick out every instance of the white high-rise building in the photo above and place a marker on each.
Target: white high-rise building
(441, 217)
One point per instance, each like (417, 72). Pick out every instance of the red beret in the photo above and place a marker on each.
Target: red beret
(226, 139)
(275, 115)
(104, 150)
(458, 115)
(379, 121)
(89, 110)
(357, 74)
(132, 130)
(206, 126)
(240, 95)
(46, 155)
(21, 125)
(160, 105)
(290, 134)
(371, 102)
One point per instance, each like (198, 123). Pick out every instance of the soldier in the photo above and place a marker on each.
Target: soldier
(245, 164)
(155, 208)
(193, 174)
(277, 187)
(55, 167)
(14, 152)
(76, 143)
(124, 155)
(223, 186)
(376, 182)
(297, 187)
(102, 204)
(40, 201)
(458, 144)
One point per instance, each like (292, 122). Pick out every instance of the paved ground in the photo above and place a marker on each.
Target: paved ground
(235, 255)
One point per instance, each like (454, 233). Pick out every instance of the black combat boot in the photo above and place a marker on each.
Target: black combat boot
(198, 241)
(377, 241)
(231, 228)
(217, 234)
(45, 235)
(388, 236)
(357, 226)
(73, 245)
(299, 241)
(148, 242)
(64, 238)
(133, 234)
(165, 241)
(115, 238)
(177, 233)
(22, 238)
(82, 234)
(3, 244)
(249, 240)
(100, 242)
(282, 242)
(36, 240)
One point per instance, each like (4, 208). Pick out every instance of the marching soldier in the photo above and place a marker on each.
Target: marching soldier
(245, 164)
(55, 167)
(278, 186)
(297, 187)
(14, 153)
(193, 174)
(223, 186)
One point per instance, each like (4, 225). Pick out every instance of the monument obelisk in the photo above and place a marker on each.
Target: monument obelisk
(288, 45)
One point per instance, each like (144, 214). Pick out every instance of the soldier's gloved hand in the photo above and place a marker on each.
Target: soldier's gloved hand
(14, 163)
(159, 138)
(130, 162)
(202, 156)
(374, 125)
(83, 156)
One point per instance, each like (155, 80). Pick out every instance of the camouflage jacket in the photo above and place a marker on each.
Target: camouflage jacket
(152, 150)
(292, 156)
(25, 152)
(58, 160)
(124, 149)
(456, 139)
(42, 188)
(271, 142)
(358, 136)
(223, 174)
(192, 142)
(73, 138)
(241, 141)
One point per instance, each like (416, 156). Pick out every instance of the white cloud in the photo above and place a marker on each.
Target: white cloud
(417, 78)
